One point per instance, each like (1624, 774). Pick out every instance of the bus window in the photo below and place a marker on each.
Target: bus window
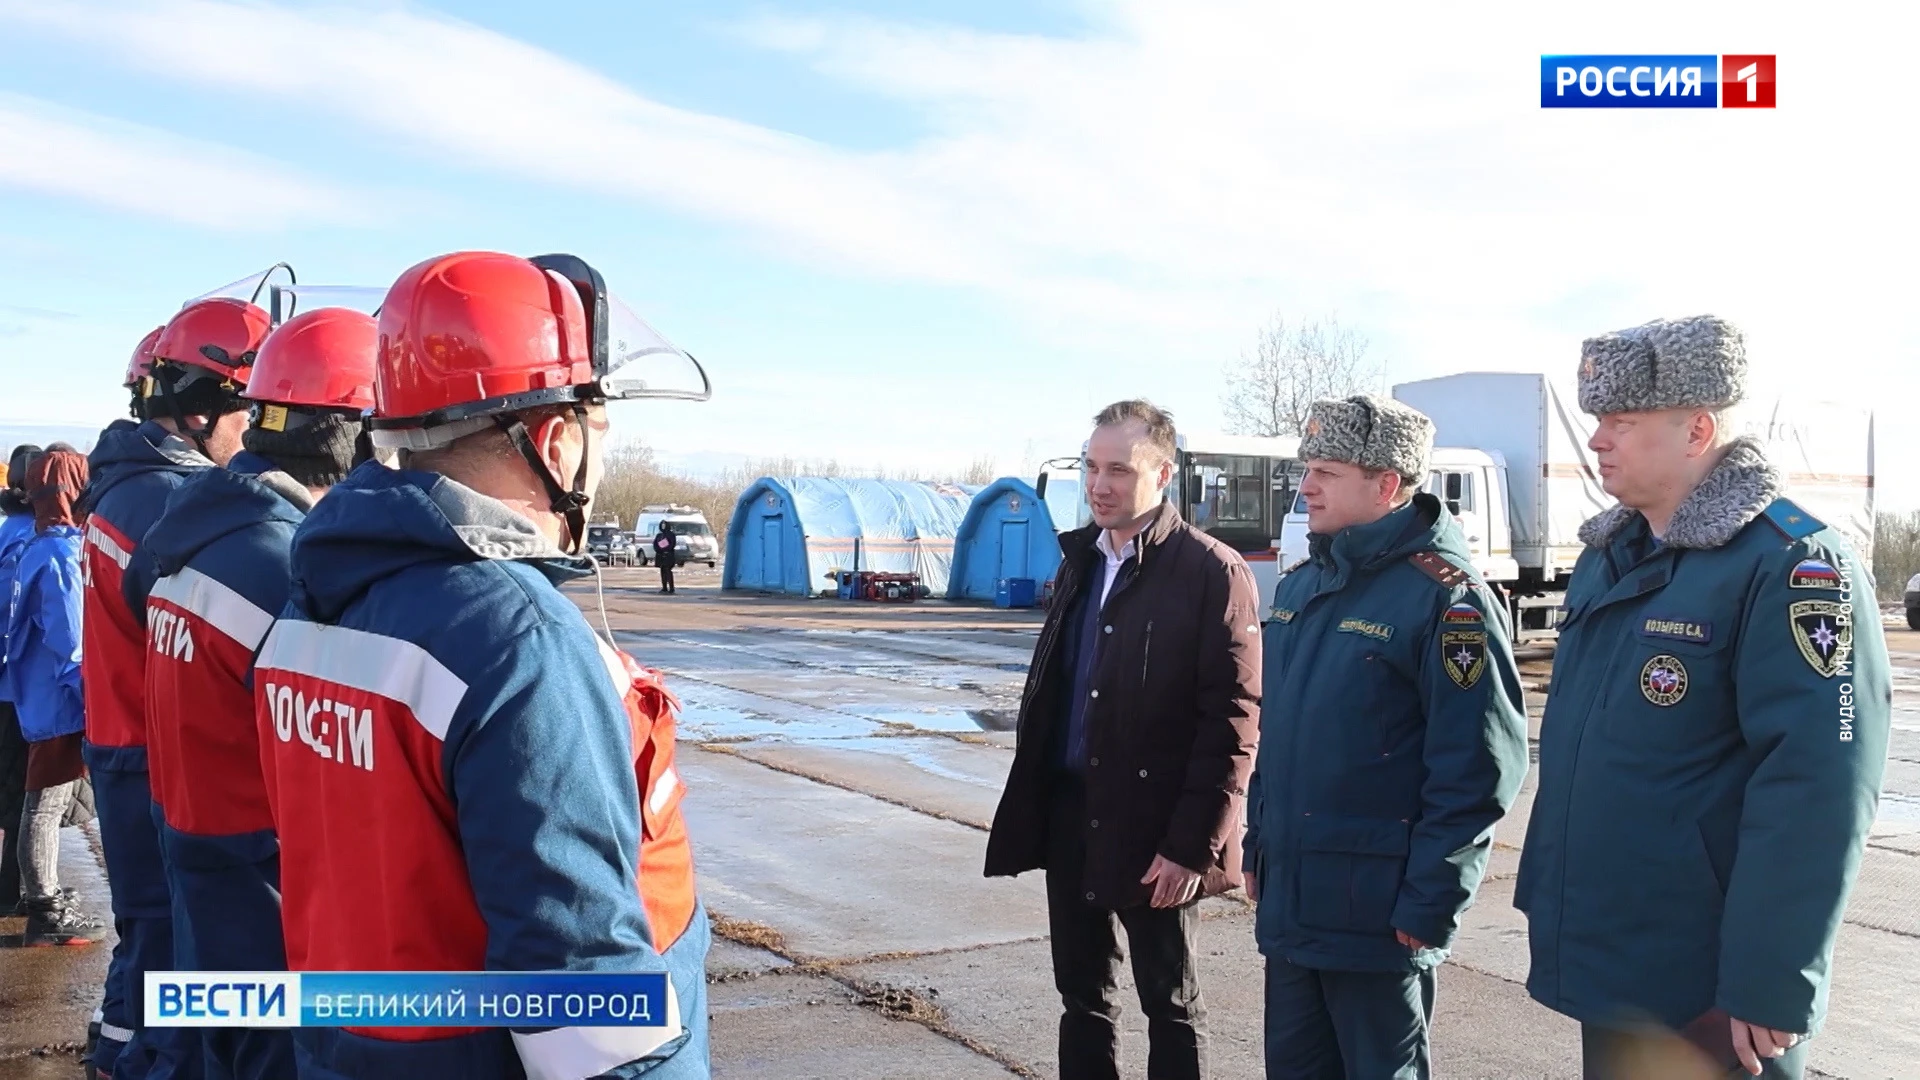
(1229, 494)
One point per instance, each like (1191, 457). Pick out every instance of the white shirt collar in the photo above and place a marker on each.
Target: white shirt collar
(1105, 544)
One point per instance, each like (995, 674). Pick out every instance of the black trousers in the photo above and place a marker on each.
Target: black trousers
(1086, 961)
(1612, 1054)
(13, 795)
(666, 577)
(1347, 1025)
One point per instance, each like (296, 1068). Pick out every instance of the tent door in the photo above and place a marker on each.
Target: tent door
(1013, 549)
(772, 574)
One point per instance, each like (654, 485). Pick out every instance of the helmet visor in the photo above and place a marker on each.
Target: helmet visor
(642, 364)
(253, 288)
(286, 301)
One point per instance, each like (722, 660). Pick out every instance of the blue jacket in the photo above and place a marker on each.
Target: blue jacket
(1710, 762)
(16, 528)
(451, 766)
(43, 635)
(1392, 738)
(133, 470)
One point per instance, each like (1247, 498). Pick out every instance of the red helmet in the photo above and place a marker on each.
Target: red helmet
(477, 334)
(141, 365)
(322, 358)
(219, 334)
(468, 340)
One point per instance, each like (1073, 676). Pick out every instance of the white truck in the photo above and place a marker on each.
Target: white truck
(1511, 462)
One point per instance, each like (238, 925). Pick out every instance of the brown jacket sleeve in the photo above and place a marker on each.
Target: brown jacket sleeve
(1207, 816)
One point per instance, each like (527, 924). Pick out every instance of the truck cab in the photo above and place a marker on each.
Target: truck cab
(1472, 485)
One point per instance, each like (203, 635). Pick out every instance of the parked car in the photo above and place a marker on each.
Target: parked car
(609, 546)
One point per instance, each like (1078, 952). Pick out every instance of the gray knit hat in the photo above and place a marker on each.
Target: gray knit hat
(1371, 432)
(1697, 363)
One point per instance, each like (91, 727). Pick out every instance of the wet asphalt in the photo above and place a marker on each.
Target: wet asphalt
(843, 761)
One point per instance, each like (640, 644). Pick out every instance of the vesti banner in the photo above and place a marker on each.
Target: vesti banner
(363, 999)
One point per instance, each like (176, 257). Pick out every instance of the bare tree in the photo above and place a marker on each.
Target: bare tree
(1896, 552)
(1294, 364)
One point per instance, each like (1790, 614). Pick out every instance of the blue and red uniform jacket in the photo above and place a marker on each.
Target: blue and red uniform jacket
(133, 470)
(221, 550)
(449, 754)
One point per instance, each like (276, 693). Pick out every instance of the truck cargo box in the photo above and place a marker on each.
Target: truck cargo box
(1553, 483)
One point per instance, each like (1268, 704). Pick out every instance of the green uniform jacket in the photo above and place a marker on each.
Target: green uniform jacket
(1710, 761)
(1392, 738)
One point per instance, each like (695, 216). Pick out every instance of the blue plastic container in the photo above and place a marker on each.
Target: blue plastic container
(1018, 592)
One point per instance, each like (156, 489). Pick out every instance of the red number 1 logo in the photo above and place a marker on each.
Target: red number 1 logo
(1746, 82)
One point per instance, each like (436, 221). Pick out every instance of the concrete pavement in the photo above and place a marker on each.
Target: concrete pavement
(843, 762)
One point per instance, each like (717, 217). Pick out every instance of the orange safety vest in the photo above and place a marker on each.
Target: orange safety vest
(666, 852)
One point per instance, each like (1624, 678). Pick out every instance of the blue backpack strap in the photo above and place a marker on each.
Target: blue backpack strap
(1792, 522)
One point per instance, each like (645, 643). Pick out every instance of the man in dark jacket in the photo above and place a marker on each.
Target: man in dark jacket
(1136, 736)
(1393, 737)
(1716, 732)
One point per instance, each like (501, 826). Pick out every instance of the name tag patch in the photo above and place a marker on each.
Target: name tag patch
(1374, 630)
(1699, 633)
(1814, 574)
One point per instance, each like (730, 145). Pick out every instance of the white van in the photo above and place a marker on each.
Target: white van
(693, 537)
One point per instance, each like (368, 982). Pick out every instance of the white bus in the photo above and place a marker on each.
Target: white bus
(1235, 488)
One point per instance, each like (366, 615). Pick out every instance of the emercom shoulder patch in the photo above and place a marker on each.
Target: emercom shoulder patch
(1462, 615)
(1464, 654)
(1374, 630)
(1284, 615)
(1824, 634)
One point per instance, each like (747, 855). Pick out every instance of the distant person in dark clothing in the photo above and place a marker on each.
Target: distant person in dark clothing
(16, 528)
(665, 555)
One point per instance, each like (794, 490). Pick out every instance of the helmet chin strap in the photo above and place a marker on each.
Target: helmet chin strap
(570, 504)
(181, 427)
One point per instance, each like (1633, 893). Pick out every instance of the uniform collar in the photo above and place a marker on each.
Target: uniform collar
(1738, 490)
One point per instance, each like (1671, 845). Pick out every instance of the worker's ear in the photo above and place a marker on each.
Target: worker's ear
(556, 438)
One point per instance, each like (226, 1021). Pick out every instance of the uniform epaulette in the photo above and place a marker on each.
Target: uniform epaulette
(1793, 522)
(1435, 566)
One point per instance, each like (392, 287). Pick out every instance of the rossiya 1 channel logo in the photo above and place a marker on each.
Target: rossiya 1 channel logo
(1707, 81)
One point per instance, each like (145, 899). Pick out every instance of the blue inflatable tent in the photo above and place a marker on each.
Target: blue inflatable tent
(1007, 533)
(790, 536)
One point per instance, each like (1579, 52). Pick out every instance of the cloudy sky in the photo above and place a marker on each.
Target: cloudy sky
(917, 233)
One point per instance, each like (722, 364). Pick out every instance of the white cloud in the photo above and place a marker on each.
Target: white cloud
(1149, 189)
(74, 155)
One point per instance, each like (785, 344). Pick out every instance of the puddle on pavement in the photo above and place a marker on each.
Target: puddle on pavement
(944, 719)
(924, 753)
(1898, 809)
(706, 723)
